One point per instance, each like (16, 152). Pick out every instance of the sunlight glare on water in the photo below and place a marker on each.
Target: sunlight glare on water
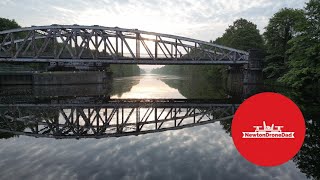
(150, 87)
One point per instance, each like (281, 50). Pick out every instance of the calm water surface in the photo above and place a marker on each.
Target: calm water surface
(201, 152)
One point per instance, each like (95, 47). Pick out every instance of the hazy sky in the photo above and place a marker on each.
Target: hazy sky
(200, 19)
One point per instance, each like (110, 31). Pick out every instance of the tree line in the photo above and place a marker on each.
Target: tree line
(291, 44)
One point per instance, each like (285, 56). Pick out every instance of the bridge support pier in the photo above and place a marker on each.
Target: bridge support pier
(253, 71)
(235, 79)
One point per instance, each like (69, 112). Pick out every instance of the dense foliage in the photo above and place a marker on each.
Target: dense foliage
(304, 54)
(196, 71)
(121, 70)
(6, 24)
(242, 35)
(282, 27)
(293, 46)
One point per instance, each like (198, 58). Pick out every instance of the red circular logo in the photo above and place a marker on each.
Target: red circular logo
(268, 129)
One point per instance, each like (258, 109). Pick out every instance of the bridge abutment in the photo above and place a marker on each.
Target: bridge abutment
(235, 79)
(253, 71)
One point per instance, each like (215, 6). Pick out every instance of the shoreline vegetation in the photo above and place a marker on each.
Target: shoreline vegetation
(123, 70)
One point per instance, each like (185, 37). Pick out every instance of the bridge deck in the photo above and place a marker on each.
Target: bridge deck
(145, 61)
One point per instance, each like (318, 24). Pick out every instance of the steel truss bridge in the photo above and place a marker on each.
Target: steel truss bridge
(74, 45)
(113, 119)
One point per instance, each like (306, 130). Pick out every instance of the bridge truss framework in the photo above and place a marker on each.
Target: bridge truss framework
(96, 45)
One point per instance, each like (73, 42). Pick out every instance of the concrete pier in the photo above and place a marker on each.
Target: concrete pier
(235, 80)
(253, 71)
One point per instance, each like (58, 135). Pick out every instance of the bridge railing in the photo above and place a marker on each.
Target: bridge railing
(65, 43)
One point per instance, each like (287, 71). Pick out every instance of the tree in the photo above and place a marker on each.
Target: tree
(242, 35)
(304, 54)
(6, 24)
(282, 27)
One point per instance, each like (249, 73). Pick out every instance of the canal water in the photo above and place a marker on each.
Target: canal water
(199, 152)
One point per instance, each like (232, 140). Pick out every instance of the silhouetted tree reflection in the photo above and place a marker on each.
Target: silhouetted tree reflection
(226, 125)
(6, 135)
(123, 86)
(308, 159)
(9, 121)
(18, 125)
(198, 88)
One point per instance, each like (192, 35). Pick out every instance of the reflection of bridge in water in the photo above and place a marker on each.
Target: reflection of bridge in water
(111, 119)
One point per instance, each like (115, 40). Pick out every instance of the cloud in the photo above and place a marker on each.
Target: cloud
(201, 19)
(203, 152)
